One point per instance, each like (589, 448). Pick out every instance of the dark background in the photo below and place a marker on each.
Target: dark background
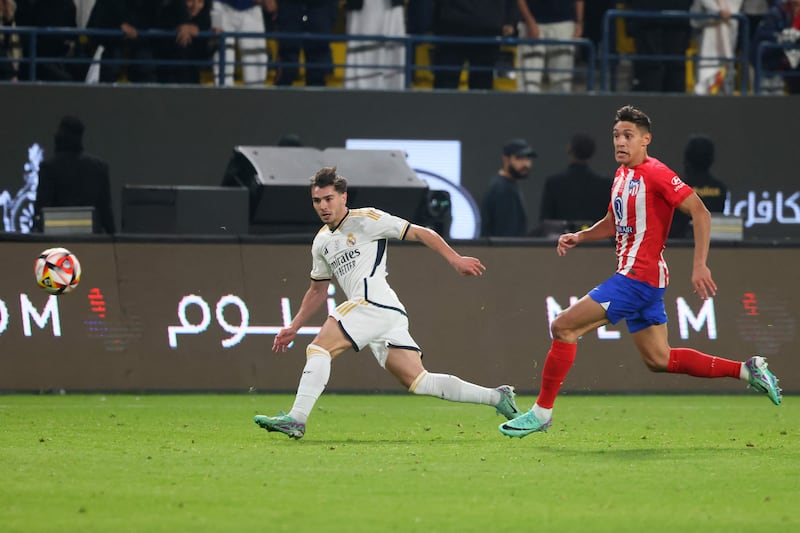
(185, 136)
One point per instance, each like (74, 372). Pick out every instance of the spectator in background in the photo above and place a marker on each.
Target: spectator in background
(43, 14)
(9, 43)
(419, 15)
(470, 18)
(306, 16)
(594, 12)
(71, 178)
(698, 156)
(660, 37)
(781, 25)
(375, 17)
(548, 19)
(716, 40)
(419, 21)
(755, 10)
(83, 45)
(503, 212)
(83, 10)
(577, 194)
(244, 16)
(188, 18)
(131, 17)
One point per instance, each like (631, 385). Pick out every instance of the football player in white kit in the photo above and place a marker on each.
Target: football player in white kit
(351, 247)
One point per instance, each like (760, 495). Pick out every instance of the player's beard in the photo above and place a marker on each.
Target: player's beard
(516, 174)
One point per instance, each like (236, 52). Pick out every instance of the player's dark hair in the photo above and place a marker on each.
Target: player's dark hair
(327, 176)
(629, 113)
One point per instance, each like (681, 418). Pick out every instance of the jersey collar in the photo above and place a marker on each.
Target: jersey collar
(341, 221)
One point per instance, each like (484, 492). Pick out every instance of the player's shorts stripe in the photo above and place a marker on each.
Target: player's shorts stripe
(346, 307)
(342, 306)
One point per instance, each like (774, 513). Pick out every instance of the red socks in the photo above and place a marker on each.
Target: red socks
(556, 366)
(694, 363)
(681, 361)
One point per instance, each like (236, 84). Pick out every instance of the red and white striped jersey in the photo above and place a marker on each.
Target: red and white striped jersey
(643, 200)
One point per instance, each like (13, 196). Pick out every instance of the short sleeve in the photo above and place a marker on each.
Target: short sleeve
(672, 187)
(320, 269)
(387, 226)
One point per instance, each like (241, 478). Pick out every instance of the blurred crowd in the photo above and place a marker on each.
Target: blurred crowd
(287, 42)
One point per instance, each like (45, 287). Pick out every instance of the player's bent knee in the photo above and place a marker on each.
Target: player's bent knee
(559, 331)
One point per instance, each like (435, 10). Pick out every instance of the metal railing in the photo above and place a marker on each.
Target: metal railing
(609, 57)
(577, 44)
(761, 72)
(410, 44)
(30, 38)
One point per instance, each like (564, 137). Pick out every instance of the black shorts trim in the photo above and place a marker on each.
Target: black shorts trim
(389, 307)
(412, 348)
(347, 335)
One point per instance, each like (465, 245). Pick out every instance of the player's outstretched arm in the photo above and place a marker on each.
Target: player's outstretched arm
(464, 265)
(315, 296)
(702, 281)
(602, 229)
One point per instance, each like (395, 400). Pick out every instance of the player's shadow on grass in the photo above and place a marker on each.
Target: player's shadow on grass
(359, 442)
(647, 454)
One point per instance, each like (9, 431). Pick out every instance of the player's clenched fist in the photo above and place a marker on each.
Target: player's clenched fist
(469, 266)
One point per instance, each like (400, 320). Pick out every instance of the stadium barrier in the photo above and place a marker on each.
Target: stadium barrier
(411, 43)
(609, 58)
(200, 315)
(762, 73)
(610, 52)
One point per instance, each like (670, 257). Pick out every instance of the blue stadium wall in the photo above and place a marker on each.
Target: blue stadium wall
(185, 136)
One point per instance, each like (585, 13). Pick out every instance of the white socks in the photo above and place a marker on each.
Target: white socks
(451, 388)
(312, 382)
(744, 373)
(541, 413)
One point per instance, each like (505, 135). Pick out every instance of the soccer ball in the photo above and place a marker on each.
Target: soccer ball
(57, 271)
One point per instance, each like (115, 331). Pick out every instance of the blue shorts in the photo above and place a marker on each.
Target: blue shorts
(639, 303)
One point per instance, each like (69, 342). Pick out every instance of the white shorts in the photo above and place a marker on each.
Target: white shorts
(381, 328)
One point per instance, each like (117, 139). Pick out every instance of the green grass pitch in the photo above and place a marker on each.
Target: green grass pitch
(397, 463)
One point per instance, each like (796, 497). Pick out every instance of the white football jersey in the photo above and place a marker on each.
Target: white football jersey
(355, 254)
